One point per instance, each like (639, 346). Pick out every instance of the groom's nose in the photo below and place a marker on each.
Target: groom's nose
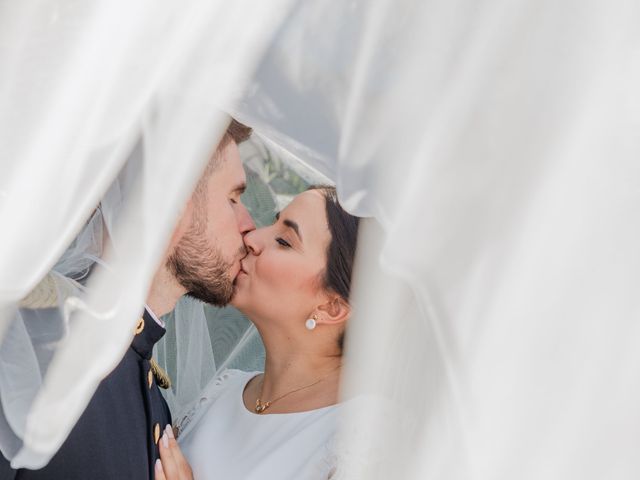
(245, 222)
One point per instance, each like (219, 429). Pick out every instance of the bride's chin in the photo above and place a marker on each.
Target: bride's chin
(241, 307)
(236, 299)
(242, 302)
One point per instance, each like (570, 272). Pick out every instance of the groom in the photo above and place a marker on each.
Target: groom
(117, 436)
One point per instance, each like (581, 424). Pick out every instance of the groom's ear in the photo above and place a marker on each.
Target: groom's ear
(333, 312)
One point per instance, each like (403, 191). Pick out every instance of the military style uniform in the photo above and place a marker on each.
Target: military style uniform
(116, 438)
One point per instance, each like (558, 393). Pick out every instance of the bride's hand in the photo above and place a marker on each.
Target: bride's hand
(172, 464)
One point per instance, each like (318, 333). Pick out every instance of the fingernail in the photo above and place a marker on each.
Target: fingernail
(158, 465)
(165, 440)
(169, 431)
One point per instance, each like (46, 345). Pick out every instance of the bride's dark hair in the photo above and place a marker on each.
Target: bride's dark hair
(342, 247)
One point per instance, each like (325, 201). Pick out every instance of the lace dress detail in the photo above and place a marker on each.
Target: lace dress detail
(189, 416)
(357, 449)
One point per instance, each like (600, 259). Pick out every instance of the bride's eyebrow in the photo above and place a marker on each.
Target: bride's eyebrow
(291, 224)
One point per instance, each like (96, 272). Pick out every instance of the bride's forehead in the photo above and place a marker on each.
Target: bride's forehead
(309, 202)
(308, 210)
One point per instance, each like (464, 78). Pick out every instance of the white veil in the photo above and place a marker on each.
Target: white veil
(91, 91)
(494, 144)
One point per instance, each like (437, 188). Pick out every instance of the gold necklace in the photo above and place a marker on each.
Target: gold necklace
(262, 406)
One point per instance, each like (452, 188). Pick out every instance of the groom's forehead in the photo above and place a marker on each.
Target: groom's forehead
(228, 174)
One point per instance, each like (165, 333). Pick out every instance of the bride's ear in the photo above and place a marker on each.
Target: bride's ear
(334, 312)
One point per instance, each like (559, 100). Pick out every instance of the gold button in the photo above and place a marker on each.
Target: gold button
(156, 433)
(140, 326)
(150, 378)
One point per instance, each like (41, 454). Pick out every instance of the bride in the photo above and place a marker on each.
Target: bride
(280, 424)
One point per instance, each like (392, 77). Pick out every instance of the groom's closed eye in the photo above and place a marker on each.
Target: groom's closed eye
(236, 192)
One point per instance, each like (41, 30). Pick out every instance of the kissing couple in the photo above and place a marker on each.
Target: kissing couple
(292, 280)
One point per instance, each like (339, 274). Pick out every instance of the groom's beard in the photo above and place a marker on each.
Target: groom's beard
(200, 269)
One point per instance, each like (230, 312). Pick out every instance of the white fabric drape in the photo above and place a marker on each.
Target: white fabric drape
(82, 85)
(494, 144)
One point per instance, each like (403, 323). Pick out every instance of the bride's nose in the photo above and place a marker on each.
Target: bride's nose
(253, 242)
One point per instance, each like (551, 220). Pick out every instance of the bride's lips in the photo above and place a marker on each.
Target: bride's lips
(242, 269)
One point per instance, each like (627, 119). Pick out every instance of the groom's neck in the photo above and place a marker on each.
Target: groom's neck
(164, 293)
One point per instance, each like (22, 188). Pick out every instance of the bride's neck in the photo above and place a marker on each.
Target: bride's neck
(287, 370)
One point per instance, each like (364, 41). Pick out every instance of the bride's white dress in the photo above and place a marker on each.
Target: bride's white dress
(221, 439)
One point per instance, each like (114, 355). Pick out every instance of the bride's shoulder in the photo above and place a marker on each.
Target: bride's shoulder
(228, 378)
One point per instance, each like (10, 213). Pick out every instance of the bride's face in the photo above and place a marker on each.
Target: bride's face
(281, 277)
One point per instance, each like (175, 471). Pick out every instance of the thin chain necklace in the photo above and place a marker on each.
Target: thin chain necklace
(262, 406)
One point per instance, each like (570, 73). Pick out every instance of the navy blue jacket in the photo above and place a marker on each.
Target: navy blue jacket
(116, 436)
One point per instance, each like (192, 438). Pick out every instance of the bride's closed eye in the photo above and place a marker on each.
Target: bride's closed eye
(283, 242)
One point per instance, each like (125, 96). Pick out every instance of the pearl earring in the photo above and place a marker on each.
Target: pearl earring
(311, 323)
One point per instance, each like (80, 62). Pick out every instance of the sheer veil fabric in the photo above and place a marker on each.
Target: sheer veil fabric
(492, 145)
(91, 93)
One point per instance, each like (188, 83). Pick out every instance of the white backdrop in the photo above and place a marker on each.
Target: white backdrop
(495, 145)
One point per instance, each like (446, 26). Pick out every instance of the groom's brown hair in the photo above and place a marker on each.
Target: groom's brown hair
(236, 132)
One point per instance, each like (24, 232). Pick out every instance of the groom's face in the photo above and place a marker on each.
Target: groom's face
(206, 259)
